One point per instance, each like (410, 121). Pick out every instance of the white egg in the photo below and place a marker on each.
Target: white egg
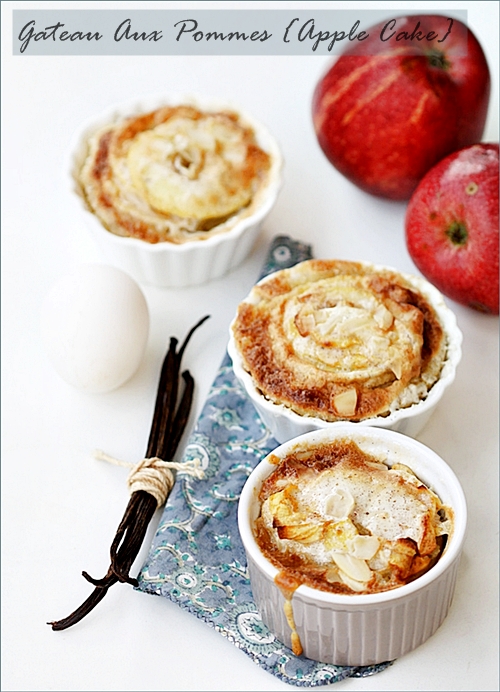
(95, 325)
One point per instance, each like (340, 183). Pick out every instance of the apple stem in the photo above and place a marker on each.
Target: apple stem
(457, 233)
(437, 59)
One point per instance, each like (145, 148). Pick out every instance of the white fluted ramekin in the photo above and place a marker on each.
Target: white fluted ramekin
(193, 262)
(286, 424)
(359, 630)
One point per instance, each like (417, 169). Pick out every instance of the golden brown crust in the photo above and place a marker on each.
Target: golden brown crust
(174, 174)
(340, 341)
(340, 520)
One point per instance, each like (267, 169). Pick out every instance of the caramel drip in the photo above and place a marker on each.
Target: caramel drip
(296, 644)
(288, 585)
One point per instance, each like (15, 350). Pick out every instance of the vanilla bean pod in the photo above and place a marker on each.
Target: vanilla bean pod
(167, 428)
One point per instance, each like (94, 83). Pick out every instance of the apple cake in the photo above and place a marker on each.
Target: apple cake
(338, 519)
(339, 340)
(174, 174)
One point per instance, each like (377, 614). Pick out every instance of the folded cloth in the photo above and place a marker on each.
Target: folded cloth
(197, 559)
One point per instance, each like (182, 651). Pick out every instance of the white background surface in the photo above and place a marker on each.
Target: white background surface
(60, 507)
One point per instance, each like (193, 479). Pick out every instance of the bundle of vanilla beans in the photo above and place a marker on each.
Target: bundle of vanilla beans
(169, 422)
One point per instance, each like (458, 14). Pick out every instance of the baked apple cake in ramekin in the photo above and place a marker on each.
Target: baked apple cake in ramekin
(353, 537)
(332, 340)
(175, 190)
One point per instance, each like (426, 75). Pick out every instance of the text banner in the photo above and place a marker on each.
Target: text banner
(214, 32)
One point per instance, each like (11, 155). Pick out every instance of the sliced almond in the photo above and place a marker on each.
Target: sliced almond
(354, 567)
(363, 547)
(383, 317)
(397, 367)
(352, 583)
(345, 402)
(339, 504)
(332, 575)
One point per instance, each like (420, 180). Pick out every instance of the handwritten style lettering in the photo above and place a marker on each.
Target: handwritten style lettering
(416, 34)
(125, 31)
(53, 32)
(190, 27)
(307, 31)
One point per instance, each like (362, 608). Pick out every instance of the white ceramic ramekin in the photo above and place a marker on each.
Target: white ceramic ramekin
(359, 630)
(286, 424)
(193, 262)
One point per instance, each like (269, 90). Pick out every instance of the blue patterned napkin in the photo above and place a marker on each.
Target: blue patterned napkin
(197, 559)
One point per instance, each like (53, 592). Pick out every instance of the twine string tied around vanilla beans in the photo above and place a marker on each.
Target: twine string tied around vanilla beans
(154, 475)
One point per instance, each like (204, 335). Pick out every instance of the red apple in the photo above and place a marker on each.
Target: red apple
(388, 110)
(452, 226)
